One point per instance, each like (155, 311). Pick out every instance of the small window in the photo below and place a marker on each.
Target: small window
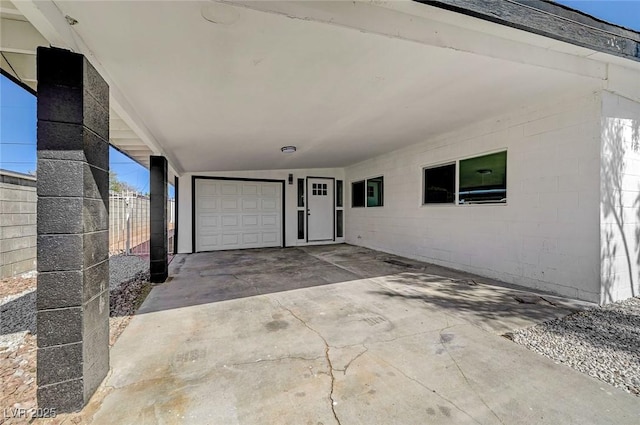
(339, 223)
(483, 179)
(440, 184)
(357, 194)
(375, 192)
(301, 192)
(339, 194)
(300, 224)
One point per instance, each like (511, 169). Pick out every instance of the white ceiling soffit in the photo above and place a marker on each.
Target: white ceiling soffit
(44, 17)
(18, 42)
(223, 87)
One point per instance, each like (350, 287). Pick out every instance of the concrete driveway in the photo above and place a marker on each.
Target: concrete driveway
(340, 335)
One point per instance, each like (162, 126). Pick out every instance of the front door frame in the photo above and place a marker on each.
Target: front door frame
(333, 209)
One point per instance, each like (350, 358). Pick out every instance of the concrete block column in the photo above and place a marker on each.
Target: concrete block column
(158, 174)
(73, 230)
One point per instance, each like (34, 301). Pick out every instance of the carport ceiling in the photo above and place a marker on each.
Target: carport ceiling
(226, 96)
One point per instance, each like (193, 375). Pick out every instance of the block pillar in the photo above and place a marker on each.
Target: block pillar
(158, 174)
(73, 230)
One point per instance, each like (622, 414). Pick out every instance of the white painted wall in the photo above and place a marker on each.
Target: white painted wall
(620, 195)
(291, 200)
(546, 237)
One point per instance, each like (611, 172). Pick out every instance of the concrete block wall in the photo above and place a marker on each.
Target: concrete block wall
(17, 223)
(620, 198)
(545, 237)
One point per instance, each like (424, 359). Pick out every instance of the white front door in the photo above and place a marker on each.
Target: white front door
(320, 209)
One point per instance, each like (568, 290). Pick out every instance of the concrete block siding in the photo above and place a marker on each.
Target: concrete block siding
(545, 237)
(17, 223)
(620, 198)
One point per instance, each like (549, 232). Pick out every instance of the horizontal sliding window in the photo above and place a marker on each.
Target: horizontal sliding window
(480, 180)
(483, 179)
(369, 193)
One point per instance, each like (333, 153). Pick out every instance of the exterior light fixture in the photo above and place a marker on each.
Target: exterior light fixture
(288, 149)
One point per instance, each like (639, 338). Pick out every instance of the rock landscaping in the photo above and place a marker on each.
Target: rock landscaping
(602, 342)
(128, 286)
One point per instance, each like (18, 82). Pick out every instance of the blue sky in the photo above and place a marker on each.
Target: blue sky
(18, 107)
(18, 125)
(621, 12)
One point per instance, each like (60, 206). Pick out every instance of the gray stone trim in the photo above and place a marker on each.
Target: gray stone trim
(72, 230)
(158, 244)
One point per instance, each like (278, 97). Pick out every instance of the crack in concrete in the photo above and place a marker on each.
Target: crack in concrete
(455, 362)
(276, 360)
(344, 371)
(427, 388)
(326, 355)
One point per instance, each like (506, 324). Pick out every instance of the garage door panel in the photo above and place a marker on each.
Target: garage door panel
(208, 204)
(269, 220)
(250, 189)
(209, 189)
(210, 242)
(230, 204)
(250, 220)
(230, 189)
(269, 204)
(209, 221)
(270, 237)
(251, 238)
(238, 214)
(230, 239)
(250, 205)
(229, 221)
(270, 191)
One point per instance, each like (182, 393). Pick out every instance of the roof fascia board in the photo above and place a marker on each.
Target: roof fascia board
(549, 20)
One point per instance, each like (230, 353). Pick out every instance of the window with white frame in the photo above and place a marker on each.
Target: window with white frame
(480, 180)
(368, 193)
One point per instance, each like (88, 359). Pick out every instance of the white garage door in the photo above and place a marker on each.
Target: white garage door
(234, 214)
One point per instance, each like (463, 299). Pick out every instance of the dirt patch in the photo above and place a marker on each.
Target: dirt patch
(16, 285)
(18, 366)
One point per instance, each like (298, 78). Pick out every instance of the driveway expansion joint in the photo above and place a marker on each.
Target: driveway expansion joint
(427, 388)
(443, 341)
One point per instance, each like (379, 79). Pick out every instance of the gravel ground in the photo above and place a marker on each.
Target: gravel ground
(123, 268)
(603, 342)
(128, 284)
(17, 317)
